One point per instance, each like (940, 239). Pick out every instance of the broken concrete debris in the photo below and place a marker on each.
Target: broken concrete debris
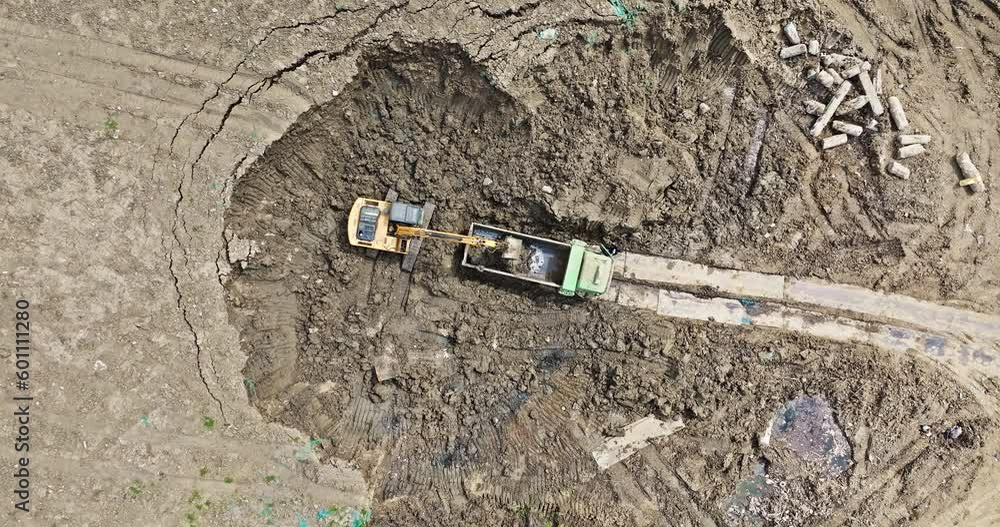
(837, 79)
(831, 108)
(814, 107)
(848, 128)
(792, 51)
(971, 176)
(878, 81)
(869, 88)
(834, 141)
(897, 113)
(825, 78)
(913, 139)
(791, 33)
(852, 105)
(637, 436)
(910, 151)
(899, 170)
(814, 47)
(851, 72)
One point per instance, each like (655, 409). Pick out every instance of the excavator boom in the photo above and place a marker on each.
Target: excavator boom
(404, 231)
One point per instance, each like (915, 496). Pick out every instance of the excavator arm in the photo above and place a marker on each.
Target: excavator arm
(404, 231)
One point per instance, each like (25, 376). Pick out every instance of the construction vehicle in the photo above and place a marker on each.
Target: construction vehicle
(574, 268)
(393, 226)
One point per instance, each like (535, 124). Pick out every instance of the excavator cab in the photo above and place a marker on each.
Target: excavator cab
(367, 223)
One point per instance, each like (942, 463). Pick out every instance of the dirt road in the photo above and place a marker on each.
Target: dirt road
(174, 182)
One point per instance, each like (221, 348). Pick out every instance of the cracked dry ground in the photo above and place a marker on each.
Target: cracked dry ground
(502, 390)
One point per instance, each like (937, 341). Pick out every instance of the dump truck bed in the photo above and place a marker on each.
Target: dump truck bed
(543, 261)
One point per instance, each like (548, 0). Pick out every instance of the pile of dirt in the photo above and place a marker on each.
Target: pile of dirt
(498, 391)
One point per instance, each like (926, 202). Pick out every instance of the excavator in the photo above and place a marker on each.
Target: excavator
(574, 269)
(391, 226)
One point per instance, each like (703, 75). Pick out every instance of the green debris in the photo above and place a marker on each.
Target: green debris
(548, 33)
(202, 472)
(625, 13)
(250, 386)
(592, 38)
(208, 422)
(228, 479)
(270, 478)
(144, 419)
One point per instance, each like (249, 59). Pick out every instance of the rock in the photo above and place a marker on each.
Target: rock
(792, 33)
(834, 141)
(913, 139)
(792, 51)
(487, 181)
(547, 189)
(814, 47)
(910, 151)
(897, 169)
(704, 108)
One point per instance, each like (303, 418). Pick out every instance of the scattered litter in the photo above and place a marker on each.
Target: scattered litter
(548, 33)
(806, 425)
(926, 430)
(834, 141)
(637, 436)
(847, 128)
(897, 113)
(899, 170)
(791, 33)
(910, 151)
(955, 432)
(386, 368)
(913, 139)
(100, 366)
(792, 51)
(972, 178)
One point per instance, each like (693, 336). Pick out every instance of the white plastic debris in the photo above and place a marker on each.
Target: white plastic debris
(913, 139)
(897, 113)
(791, 33)
(814, 107)
(834, 141)
(869, 88)
(899, 170)
(910, 151)
(852, 105)
(814, 47)
(847, 128)
(792, 51)
(831, 108)
(971, 176)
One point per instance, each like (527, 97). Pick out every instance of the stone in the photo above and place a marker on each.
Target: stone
(913, 139)
(899, 170)
(834, 141)
(792, 51)
(910, 151)
(792, 33)
(897, 114)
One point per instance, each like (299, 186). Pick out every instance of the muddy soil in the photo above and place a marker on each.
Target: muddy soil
(497, 391)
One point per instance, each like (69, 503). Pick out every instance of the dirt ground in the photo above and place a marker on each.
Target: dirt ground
(176, 179)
